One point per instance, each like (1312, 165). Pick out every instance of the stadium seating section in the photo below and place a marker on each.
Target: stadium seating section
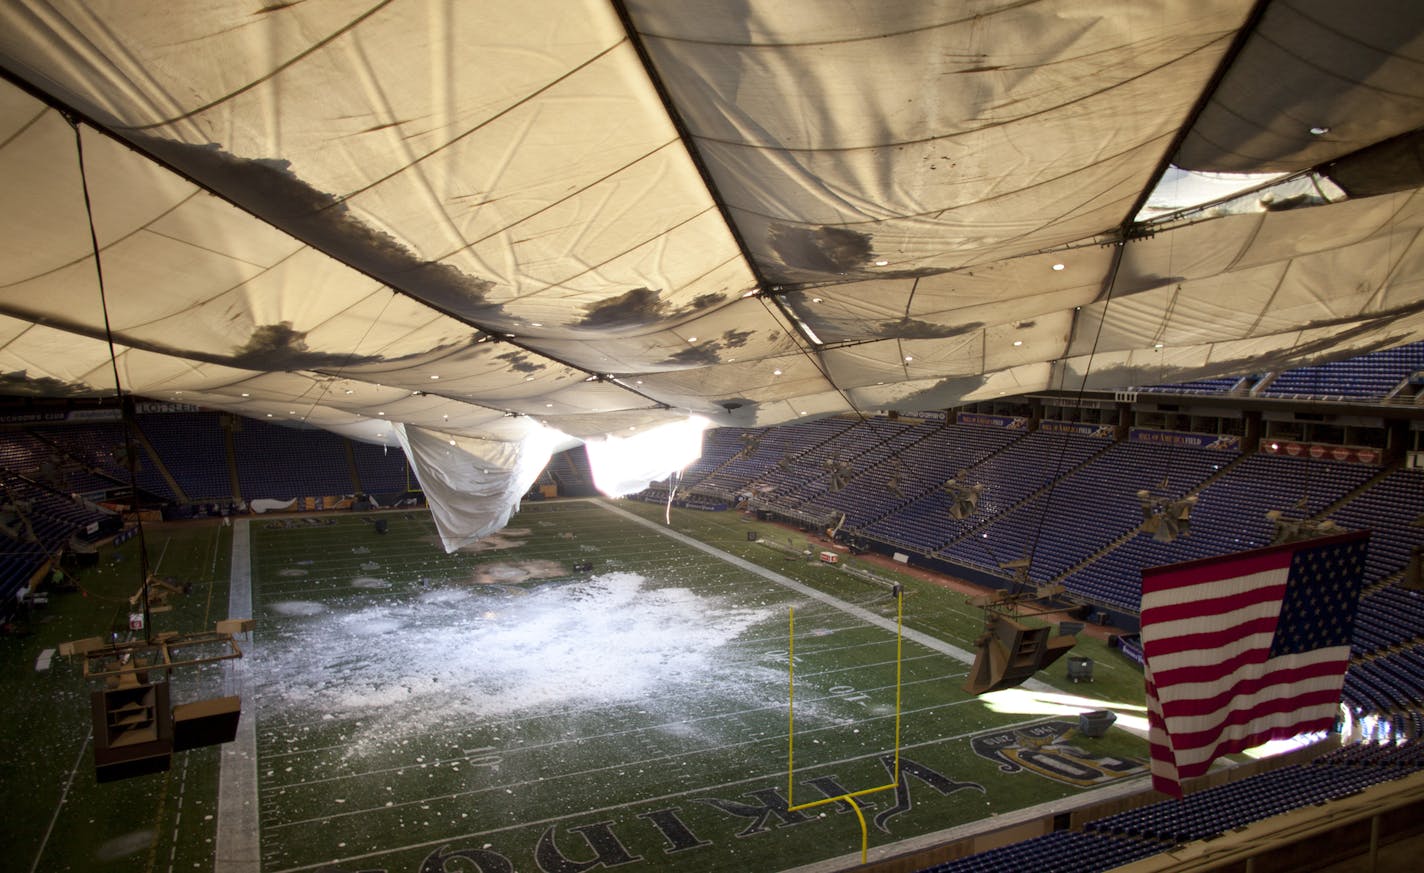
(1148, 830)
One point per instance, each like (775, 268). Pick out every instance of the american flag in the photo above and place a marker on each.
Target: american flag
(1246, 648)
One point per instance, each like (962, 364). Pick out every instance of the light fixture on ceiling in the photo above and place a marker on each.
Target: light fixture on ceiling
(536, 324)
(1057, 267)
(433, 377)
(692, 339)
(245, 394)
(1018, 343)
(380, 413)
(776, 372)
(882, 262)
(909, 358)
(1319, 130)
(817, 300)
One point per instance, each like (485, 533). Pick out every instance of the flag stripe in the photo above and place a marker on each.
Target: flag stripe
(1245, 648)
(1209, 570)
(1180, 603)
(1215, 640)
(1290, 726)
(1212, 680)
(1194, 731)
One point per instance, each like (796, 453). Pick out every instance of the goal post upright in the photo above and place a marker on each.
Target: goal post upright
(849, 796)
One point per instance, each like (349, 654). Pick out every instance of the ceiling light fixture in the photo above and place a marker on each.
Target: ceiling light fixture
(1319, 131)
(1018, 343)
(882, 262)
(817, 300)
(776, 372)
(1057, 267)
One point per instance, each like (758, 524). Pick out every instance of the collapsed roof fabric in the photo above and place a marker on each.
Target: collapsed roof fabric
(484, 221)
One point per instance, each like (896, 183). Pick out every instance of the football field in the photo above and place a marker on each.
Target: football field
(590, 688)
(500, 709)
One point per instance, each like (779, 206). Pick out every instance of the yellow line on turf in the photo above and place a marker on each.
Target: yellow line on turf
(849, 796)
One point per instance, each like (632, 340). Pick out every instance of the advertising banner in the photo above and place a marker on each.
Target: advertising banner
(1219, 442)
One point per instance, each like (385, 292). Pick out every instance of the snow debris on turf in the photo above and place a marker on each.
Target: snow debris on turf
(522, 571)
(298, 607)
(485, 653)
(291, 572)
(369, 582)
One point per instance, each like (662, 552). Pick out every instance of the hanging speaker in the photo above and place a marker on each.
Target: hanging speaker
(205, 723)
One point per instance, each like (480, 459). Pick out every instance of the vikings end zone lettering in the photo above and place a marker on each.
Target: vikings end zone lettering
(1044, 749)
(599, 845)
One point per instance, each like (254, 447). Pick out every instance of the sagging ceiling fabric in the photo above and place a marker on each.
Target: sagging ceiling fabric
(486, 220)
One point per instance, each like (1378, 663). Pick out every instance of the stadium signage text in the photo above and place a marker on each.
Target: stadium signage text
(1082, 428)
(1219, 442)
(981, 419)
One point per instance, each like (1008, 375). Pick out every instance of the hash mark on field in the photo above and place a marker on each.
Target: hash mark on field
(736, 713)
(601, 810)
(780, 740)
(471, 754)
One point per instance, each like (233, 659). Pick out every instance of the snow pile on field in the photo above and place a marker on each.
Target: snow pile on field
(489, 652)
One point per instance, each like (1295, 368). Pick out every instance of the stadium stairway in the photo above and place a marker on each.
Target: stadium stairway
(928, 487)
(1029, 499)
(1127, 535)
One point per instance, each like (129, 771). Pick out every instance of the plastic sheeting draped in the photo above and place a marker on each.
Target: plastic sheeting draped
(484, 221)
(473, 487)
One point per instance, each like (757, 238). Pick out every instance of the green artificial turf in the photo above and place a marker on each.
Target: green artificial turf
(417, 711)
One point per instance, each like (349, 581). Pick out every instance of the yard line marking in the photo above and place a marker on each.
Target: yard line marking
(272, 739)
(474, 835)
(681, 755)
(583, 739)
(238, 846)
(62, 795)
(161, 554)
(865, 615)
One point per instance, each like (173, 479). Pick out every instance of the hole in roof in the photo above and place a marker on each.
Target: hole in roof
(1180, 189)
